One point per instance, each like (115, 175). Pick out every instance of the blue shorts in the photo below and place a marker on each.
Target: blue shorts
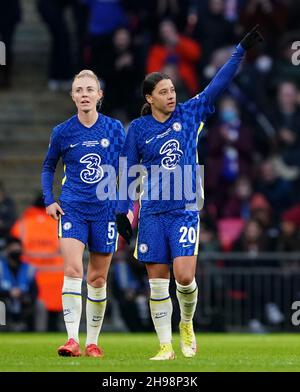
(99, 234)
(162, 237)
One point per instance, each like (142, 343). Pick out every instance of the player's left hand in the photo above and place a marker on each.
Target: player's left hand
(251, 38)
(124, 227)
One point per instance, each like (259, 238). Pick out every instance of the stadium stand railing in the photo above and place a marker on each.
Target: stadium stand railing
(248, 292)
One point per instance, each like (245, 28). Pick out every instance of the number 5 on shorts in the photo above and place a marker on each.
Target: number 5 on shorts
(111, 230)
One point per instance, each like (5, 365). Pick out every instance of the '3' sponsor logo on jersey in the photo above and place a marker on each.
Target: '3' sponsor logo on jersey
(93, 171)
(172, 152)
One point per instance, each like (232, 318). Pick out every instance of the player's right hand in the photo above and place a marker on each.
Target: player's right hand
(124, 227)
(54, 210)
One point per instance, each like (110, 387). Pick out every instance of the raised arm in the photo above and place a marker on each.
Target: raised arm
(227, 72)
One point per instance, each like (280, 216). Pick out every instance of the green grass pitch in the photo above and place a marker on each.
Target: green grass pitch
(126, 352)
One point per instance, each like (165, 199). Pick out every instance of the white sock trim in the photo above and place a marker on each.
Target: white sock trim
(96, 294)
(189, 289)
(72, 285)
(159, 289)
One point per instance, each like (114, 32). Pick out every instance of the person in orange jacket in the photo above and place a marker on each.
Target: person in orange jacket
(41, 249)
(179, 49)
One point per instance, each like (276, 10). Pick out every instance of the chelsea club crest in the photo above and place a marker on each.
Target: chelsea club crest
(105, 142)
(143, 248)
(177, 126)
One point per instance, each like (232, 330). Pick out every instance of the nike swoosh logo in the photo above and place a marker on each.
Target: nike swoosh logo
(158, 317)
(109, 243)
(149, 140)
(73, 145)
(185, 246)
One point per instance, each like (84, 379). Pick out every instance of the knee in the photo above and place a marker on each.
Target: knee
(184, 279)
(96, 280)
(73, 272)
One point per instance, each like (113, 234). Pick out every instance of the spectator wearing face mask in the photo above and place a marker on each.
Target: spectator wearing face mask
(18, 289)
(230, 148)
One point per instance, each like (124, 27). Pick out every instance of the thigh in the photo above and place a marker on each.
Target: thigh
(73, 234)
(184, 269)
(158, 271)
(98, 268)
(72, 252)
(183, 233)
(151, 243)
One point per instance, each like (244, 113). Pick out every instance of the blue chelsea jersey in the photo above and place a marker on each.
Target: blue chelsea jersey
(84, 152)
(168, 151)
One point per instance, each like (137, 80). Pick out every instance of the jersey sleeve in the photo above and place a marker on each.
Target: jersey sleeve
(130, 156)
(122, 136)
(198, 108)
(202, 105)
(224, 75)
(121, 141)
(49, 166)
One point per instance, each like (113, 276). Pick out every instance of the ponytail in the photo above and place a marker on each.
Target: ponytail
(99, 104)
(146, 109)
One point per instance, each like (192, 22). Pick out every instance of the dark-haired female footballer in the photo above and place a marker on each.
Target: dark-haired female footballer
(164, 141)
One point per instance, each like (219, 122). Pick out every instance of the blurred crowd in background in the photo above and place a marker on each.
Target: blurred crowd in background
(250, 147)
